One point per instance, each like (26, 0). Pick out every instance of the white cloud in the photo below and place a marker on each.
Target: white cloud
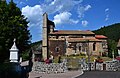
(21, 2)
(85, 23)
(87, 7)
(60, 5)
(34, 15)
(107, 9)
(107, 14)
(64, 17)
(82, 9)
(107, 17)
(74, 21)
(52, 3)
(60, 8)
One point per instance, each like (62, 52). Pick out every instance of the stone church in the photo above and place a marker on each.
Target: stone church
(69, 42)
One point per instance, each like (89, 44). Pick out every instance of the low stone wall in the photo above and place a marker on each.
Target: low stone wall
(97, 66)
(112, 65)
(107, 66)
(41, 67)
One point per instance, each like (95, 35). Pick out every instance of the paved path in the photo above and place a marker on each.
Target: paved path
(100, 74)
(69, 74)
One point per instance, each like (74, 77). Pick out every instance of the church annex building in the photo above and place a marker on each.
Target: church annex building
(69, 42)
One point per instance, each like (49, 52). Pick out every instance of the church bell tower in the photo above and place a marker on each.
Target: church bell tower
(45, 37)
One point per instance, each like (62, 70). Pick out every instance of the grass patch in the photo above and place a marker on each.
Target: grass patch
(92, 58)
(106, 59)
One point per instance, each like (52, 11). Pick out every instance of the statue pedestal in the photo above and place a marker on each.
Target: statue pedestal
(13, 57)
(14, 53)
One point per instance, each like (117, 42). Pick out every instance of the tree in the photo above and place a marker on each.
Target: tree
(3, 14)
(112, 48)
(12, 25)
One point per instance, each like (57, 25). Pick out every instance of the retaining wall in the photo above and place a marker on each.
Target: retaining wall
(40, 67)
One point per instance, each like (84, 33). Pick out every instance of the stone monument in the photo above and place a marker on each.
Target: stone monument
(14, 53)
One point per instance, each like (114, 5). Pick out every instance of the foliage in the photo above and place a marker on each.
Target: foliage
(111, 31)
(113, 34)
(37, 46)
(112, 48)
(36, 43)
(12, 25)
(25, 56)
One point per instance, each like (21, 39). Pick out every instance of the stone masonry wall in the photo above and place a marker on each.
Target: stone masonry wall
(40, 67)
(107, 66)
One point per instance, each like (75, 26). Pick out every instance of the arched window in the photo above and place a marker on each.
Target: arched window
(57, 49)
(84, 47)
(79, 48)
(94, 46)
(57, 37)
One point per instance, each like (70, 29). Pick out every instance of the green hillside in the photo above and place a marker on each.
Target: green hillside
(111, 31)
(36, 46)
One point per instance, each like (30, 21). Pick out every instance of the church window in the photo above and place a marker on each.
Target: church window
(94, 46)
(79, 48)
(57, 49)
(57, 37)
(84, 47)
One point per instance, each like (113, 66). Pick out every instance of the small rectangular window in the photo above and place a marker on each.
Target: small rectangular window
(94, 46)
(79, 48)
(57, 37)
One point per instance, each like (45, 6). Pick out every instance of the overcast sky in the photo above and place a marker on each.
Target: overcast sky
(69, 14)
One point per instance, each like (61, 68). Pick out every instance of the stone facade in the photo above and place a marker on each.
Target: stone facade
(58, 47)
(68, 42)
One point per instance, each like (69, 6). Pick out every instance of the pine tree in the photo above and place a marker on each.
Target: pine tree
(12, 25)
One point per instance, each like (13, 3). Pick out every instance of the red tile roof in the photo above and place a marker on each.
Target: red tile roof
(77, 32)
(100, 37)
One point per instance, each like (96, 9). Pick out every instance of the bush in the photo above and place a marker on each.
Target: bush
(25, 56)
